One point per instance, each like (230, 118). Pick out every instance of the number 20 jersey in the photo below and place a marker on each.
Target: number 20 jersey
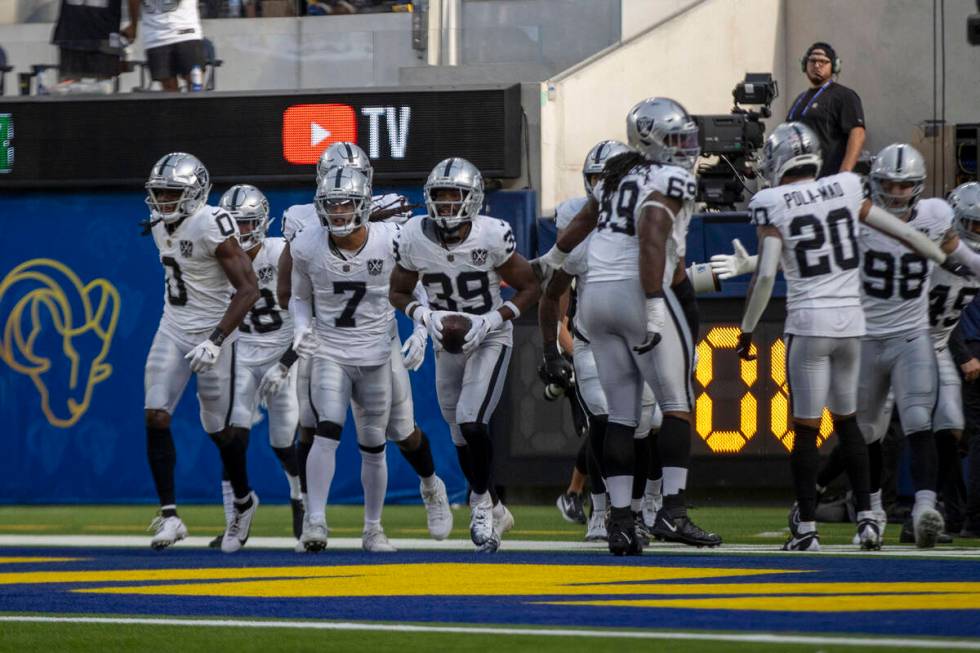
(895, 279)
(820, 258)
(196, 290)
(350, 293)
(463, 276)
(614, 252)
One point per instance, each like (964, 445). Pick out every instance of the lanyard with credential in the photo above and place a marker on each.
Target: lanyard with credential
(808, 104)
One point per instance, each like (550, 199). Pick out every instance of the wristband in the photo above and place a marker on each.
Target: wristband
(513, 308)
(654, 295)
(289, 357)
(412, 305)
(217, 337)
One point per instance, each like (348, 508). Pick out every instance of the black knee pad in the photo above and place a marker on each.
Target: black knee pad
(366, 449)
(329, 430)
(229, 435)
(306, 436)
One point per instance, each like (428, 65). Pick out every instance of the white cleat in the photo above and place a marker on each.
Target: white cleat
(652, 503)
(314, 537)
(881, 519)
(166, 531)
(868, 536)
(374, 540)
(503, 520)
(927, 524)
(481, 522)
(241, 525)
(597, 527)
(439, 516)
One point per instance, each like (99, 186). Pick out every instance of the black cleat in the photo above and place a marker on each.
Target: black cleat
(216, 542)
(570, 507)
(803, 542)
(642, 532)
(297, 507)
(622, 534)
(670, 528)
(907, 536)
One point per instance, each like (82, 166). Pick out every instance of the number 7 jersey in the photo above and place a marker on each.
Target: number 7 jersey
(820, 258)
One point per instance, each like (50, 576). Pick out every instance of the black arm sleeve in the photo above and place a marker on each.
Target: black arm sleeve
(958, 348)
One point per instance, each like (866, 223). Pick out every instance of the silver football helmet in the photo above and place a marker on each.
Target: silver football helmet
(345, 155)
(662, 130)
(965, 200)
(901, 164)
(250, 209)
(177, 187)
(456, 174)
(595, 162)
(343, 200)
(790, 145)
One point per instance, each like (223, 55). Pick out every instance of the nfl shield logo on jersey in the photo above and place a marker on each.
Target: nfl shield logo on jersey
(266, 274)
(479, 256)
(375, 266)
(186, 248)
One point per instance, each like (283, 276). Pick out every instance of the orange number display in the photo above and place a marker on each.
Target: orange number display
(779, 407)
(720, 441)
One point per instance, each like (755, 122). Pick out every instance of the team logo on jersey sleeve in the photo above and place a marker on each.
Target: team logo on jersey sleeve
(375, 266)
(266, 274)
(479, 256)
(186, 248)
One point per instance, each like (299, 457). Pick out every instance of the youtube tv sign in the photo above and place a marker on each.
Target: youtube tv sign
(260, 138)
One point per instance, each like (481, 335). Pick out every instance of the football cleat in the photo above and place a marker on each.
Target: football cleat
(570, 507)
(491, 545)
(597, 527)
(652, 503)
(241, 525)
(793, 520)
(621, 530)
(296, 505)
(216, 542)
(907, 534)
(503, 519)
(642, 532)
(880, 518)
(681, 529)
(438, 514)
(803, 542)
(374, 540)
(314, 537)
(869, 535)
(481, 522)
(927, 526)
(166, 531)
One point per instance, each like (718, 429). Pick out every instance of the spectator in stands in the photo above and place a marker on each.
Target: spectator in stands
(172, 37)
(831, 109)
(964, 345)
(87, 36)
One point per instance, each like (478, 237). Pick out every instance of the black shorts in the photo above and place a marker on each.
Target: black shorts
(87, 63)
(175, 59)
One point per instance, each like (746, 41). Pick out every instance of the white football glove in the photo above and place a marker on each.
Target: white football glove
(203, 356)
(272, 381)
(305, 343)
(481, 326)
(656, 310)
(726, 266)
(413, 349)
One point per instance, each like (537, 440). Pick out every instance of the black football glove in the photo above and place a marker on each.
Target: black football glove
(556, 369)
(744, 347)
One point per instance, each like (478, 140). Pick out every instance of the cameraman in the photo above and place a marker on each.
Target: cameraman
(832, 110)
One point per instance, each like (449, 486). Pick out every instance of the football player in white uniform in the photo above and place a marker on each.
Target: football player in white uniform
(460, 257)
(402, 430)
(810, 227)
(265, 359)
(204, 265)
(641, 210)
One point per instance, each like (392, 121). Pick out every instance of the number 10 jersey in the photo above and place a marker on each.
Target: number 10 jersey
(820, 257)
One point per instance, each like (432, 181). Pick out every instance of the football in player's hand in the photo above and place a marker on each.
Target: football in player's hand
(454, 329)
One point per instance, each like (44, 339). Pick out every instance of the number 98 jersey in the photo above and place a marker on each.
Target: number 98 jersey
(196, 290)
(267, 325)
(461, 276)
(820, 258)
(614, 253)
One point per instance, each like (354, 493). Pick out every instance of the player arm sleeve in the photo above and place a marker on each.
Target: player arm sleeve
(967, 257)
(765, 277)
(300, 304)
(419, 295)
(880, 219)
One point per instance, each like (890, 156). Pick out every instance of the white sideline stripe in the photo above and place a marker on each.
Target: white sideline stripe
(424, 544)
(760, 638)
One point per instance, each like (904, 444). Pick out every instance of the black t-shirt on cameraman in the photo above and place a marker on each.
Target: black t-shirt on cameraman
(87, 26)
(832, 111)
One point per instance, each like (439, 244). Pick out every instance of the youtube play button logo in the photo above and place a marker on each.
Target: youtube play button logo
(308, 129)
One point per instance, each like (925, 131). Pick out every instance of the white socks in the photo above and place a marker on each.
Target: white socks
(674, 480)
(620, 490)
(228, 499)
(374, 480)
(320, 467)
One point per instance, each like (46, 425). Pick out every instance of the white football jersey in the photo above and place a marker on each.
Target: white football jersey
(818, 220)
(298, 217)
(461, 276)
(267, 324)
(164, 22)
(615, 250)
(894, 279)
(196, 290)
(350, 293)
(949, 295)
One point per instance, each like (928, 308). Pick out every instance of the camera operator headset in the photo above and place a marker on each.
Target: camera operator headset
(831, 109)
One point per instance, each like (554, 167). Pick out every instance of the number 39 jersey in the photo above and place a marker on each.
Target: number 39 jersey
(949, 295)
(820, 258)
(614, 253)
(196, 290)
(461, 276)
(350, 292)
(267, 325)
(894, 278)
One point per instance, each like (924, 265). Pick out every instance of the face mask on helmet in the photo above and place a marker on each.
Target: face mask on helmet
(450, 207)
(965, 200)
(897, 196)
(250, 209)
(595, 162)
(178, 186)
(663, 131)
(342, 213)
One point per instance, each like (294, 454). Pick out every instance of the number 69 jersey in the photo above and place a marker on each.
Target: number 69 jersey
(895, 279)
(267, 327)
(615, 250)
(196, 290)
(461, 276)
(350, 292)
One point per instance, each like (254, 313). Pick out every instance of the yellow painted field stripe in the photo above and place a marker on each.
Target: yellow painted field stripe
(6, 560)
